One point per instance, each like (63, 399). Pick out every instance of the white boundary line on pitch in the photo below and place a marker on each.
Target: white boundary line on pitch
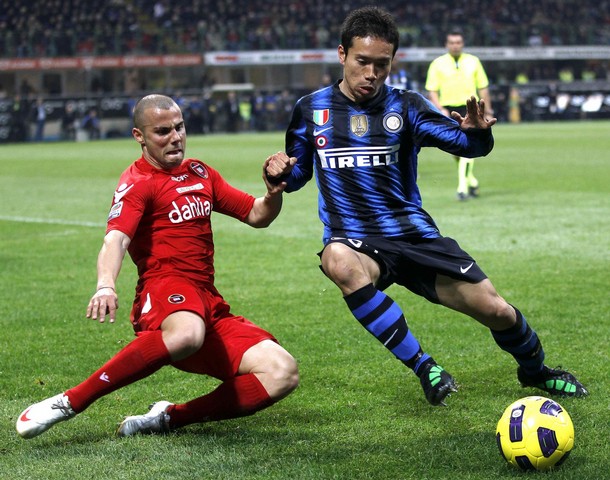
(51, 221)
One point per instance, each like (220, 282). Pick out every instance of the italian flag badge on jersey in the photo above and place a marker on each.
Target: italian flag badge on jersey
(320, 117)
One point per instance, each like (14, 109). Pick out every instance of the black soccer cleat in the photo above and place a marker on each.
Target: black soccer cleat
(437, 384)
(473, 192)
(554, 381)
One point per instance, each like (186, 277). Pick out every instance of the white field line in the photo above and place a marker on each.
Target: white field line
(56, 221)
(51, 221)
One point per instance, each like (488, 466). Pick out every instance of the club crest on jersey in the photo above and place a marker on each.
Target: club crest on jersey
(392, 122)
(321, 117)
(199, 169)
(359, 124)
(176, 298)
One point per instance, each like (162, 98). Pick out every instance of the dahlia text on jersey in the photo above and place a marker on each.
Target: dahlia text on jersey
(194, 208)
(359, 157)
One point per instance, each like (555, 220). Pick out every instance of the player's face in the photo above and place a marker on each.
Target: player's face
(366, 65)
(162, 136)
(455, 45)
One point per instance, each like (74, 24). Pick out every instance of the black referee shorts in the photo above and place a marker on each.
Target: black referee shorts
(461, 109)
(415, 265)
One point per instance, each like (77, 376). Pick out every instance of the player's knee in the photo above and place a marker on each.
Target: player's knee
(342, 266)
(506, 313)
(280, 375)
(500, 314)
(275, 368)
(286, 375)
(183, 336)
(332, 263)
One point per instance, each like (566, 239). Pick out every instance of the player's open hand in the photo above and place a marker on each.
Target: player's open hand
(104, 302)
(475, 115)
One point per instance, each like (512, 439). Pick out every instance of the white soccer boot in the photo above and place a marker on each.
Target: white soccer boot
(41, 416)
(155, 421)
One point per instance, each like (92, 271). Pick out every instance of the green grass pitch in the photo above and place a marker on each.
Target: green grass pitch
(540, 230)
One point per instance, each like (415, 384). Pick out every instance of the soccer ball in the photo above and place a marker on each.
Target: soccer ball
(535, 433)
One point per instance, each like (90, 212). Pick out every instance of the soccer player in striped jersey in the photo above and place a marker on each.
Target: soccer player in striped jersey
(361, 138)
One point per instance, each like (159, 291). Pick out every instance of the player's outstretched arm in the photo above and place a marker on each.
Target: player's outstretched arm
(268, 207)
(475, 115)
(105, 300)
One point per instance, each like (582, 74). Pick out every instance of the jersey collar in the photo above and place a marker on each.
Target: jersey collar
(143, 165)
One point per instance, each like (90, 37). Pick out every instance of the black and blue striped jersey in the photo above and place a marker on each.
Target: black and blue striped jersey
(364, 156)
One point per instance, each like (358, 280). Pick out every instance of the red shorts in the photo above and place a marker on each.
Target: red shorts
(227, 336)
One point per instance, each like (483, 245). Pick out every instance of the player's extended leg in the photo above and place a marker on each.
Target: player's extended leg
(462, 189)
(183, 333)
(473, 183)
(355, 274)
(510, 331)
(267, 373)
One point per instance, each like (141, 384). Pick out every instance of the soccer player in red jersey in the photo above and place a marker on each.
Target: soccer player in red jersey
(160, 214)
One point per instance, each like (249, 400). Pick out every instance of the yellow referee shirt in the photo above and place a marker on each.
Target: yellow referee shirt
(456, 80)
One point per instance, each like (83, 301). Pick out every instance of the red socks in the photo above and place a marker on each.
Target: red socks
(139, 359)
(237, 397)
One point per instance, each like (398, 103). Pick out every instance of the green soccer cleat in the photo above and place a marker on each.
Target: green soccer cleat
(553, 381)
(437, 384)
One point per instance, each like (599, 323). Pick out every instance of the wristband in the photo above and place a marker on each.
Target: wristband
(111, 288)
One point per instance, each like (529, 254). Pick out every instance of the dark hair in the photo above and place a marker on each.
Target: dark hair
(456, 31)
(369, 22)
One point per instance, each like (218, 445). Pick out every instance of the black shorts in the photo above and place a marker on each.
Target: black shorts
(415, 265)
(461, 109)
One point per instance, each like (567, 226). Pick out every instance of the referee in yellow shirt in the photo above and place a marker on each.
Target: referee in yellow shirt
(452, 79)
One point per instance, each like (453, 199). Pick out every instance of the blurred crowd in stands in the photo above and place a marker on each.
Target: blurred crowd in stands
(68, 28)
(34, 118)
(55, 28)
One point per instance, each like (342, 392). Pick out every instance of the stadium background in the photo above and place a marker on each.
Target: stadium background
(239, 65)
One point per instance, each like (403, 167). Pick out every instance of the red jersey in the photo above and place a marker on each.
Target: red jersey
(166, 214)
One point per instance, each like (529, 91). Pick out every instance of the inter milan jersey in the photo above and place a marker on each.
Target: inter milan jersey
(364, 156)
(167, 216)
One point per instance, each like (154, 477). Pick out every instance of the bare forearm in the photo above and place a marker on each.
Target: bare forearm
(110, 259)
(268, 207)
(265, 210)
(486, 97)
(105, 299)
